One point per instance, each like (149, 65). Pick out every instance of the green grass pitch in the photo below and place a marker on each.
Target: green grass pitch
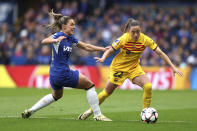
(177, 111)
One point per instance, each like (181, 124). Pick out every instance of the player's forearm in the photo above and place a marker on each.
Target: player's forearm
(166, 59)
(49, 40)
(90, 47)
(107, 54)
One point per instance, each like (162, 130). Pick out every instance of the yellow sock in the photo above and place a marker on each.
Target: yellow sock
(147, 97)
(101, 97)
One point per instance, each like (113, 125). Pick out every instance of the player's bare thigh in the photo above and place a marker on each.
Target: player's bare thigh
(141, 80)
(110, 87)
(84, 82)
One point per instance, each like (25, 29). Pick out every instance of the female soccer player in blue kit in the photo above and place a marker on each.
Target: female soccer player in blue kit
(60, 73)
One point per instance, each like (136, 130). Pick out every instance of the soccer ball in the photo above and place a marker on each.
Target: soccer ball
(149, 115)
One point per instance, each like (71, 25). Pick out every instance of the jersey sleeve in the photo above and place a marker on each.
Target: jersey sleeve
(55, 36)
(117, 43)
(151, 44)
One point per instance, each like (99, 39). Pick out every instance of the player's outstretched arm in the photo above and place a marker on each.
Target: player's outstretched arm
(105, 55)
(167, 60)
(89, 47)
(50, 40)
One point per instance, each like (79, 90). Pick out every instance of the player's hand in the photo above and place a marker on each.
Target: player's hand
(176, 70)
(99, 59)
(103, 49)
(107, 48)
(59, 39)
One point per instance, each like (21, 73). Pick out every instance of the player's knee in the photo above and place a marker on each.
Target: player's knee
(109, 89)
(88, 84)
(57, 97)
(91, 85)
(108, 92)
(148, 87)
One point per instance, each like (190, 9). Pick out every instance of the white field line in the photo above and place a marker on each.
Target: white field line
(59, 118)
(63, 118)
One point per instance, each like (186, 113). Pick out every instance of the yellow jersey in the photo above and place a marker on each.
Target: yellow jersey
(130, 51)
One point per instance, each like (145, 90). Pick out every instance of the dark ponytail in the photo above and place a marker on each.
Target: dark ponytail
(130, 22)
(59, 19)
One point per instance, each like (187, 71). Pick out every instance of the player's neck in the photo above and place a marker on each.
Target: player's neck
(66, 33)
(134, 39)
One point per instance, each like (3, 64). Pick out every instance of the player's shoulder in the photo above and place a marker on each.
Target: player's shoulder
(148, 41)
(145, 36)
(125, 36)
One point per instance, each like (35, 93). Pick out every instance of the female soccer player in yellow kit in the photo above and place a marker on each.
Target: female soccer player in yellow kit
(126, 63)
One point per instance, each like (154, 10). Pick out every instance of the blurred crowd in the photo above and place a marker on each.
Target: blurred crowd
(174, 29)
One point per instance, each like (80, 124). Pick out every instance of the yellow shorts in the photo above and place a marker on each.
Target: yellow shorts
(118, 77)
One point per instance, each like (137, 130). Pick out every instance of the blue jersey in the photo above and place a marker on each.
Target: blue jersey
(60, 55)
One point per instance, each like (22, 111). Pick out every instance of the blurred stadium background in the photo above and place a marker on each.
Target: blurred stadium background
(173, 25)
(24, 63)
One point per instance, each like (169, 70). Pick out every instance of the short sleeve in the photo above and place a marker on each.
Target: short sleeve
(151, 44)
(117, 43)
(55, 36)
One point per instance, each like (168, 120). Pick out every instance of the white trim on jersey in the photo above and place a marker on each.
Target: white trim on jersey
(56, 47)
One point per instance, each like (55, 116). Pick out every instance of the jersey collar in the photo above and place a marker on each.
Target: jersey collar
(69, 37)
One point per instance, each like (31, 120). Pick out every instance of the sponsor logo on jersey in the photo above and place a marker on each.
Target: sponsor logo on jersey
(128, 52)
(67, 49)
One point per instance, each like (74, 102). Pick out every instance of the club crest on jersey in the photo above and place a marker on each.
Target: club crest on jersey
(67, 48)
(128, 52)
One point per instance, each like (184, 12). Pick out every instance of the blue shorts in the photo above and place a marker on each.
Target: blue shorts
(69, 80)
